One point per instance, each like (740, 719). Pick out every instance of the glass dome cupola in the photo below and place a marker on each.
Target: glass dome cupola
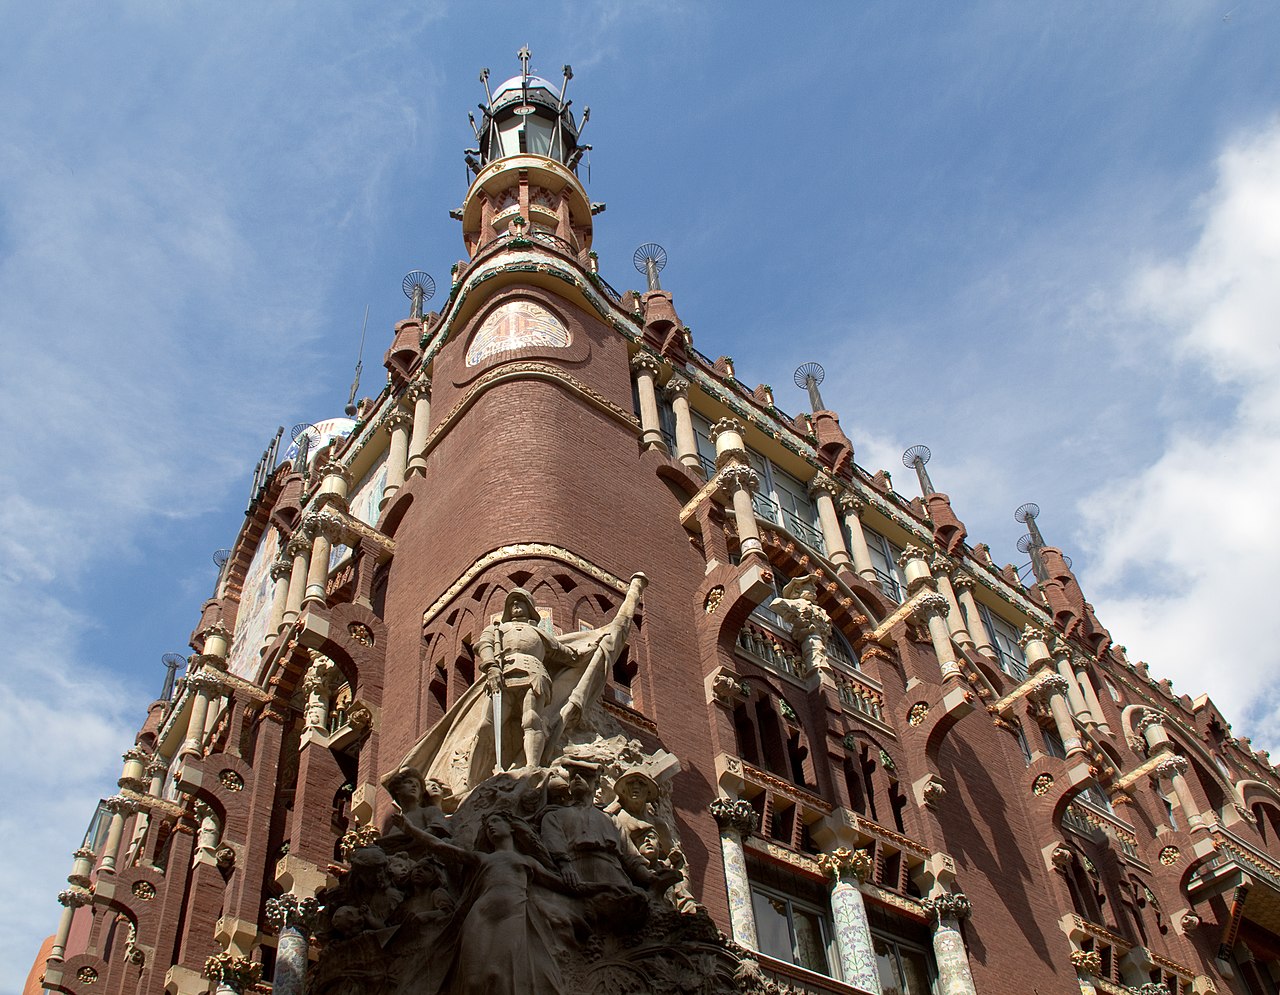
(526, 115)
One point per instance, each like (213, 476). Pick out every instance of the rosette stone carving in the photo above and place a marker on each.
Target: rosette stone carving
(735, 815)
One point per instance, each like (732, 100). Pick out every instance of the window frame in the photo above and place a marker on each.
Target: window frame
(825, 922)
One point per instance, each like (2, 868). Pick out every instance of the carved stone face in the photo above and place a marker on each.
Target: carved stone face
(519, 611)
(407, 793)
(582, 784)
(633, 794)
(498, 828)
(399, 867)
(648, 846)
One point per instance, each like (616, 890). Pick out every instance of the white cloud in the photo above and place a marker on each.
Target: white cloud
(1192, 533)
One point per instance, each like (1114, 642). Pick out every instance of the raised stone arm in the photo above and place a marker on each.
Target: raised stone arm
(612, 638)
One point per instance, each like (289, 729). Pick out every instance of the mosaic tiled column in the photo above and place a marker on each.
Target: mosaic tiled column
(736, 819)
(954, 976)
(295, 918)
(848, 869)
(1088, 964)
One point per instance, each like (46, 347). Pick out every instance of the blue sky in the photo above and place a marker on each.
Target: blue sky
(1042, 240)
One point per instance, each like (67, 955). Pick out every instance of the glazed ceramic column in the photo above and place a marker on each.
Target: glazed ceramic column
(397, 455)
(419, 395)
(848, 869)
(963, 585)
(852, 508)
(295, 918)
(954, 976)
(686, 439)
(646, 370)
(932, 610)
(737, 819)
(942, 567)
(298, 549)
(823, 487)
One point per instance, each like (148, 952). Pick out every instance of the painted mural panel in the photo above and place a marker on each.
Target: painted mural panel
(255, 609)
(363, 504)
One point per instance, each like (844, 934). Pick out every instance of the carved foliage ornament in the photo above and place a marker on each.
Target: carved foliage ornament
(950, 905)
(357, 838)
(1170, 855)
(230, 780)
(918, 713)
(1042, 784)
(734, 815)
(843, 863)
(1086, 961)
(86, 975)
(237, 973)
(291, 911)
(144, 890)
(74, 898)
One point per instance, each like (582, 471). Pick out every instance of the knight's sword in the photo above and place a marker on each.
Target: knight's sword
(495, 702)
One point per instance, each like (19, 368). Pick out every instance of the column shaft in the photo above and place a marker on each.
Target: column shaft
(858, 543)
(742, 918)
(954, 976)
(111, 848)
(318, 569)
(832, 534)
(744, 514)
(1062, 720)
(955, 618)
(686, 438)
(297, 580)
(291, 962)
(981, 639)
(279, 599)
(193, 745)
(1079, 708)
(1186, 799)
(59, 950)
(646, 370)
(397, 457)
(1091, 699)
(853, 937)
(421, 428)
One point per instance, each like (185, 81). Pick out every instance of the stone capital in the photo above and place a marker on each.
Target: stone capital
(725, 425)
(734, 815)
(299, 543)
(851, 504)
(962, 582)
(281, 569)
(291, 911)
(1032, 634)
(1049, 685)
(120, 805)
(83, 853)
(931, 605)
(335, 468)
(215, 629)
(157, 765)
(642, 362)
(953, 905)
(1146, 719)
(1172, 765)
(740, 477)
(327, 524)
(399, 418)
(74, 898)
(677, 386)
(843, 863)
(237, 973)
(912, 553)
(207, 681)
(418, 389)
(135, 754)
(942, 565)
(1086, 961)
(823, 483)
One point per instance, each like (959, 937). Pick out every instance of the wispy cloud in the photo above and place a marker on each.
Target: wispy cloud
(1185, 548)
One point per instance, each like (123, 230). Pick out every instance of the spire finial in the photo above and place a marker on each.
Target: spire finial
(809, 376)
(1033, 541)
(916, 457)
(524, 55)
(649, 259)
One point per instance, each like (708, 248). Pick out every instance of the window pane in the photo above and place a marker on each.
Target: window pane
(773, 932)
(811, 946)
(891, 980)
(915, 971)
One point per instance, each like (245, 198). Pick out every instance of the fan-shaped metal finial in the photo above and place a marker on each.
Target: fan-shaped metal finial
(419, 287)
(220, 557)
(650, 259)
(1025, 543)
(171, 661)
(1025, 511)
(915, 453)
(305, 437)
(808, 376)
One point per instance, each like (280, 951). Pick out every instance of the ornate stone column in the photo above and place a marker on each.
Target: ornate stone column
(419, 395)
(203, 684)
(932, 610)
(316, 684)
(914, 562)
(646, 370)
(75, 897)
(121, 807)
(848, 869)
(327, 531)
(954, 976)
(298, 549)
(852, 507)
(1054, 688)
(1173, 768)
(1091, 696)
(824, 488)
(736, 819)
(686, 439)
(742, 482)
(295, 918)
(942, 567)
(398, 423)
(335, 481)
(963, 585)
(1035, 647)
(810, 624)
(280, 571)
(231, 974)
(209, 836)
(1079, 707)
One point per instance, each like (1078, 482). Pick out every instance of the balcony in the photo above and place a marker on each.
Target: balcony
(770, 511)
(790, 978)
(770, 650)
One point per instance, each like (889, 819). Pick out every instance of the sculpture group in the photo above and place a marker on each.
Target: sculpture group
(531, 848)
